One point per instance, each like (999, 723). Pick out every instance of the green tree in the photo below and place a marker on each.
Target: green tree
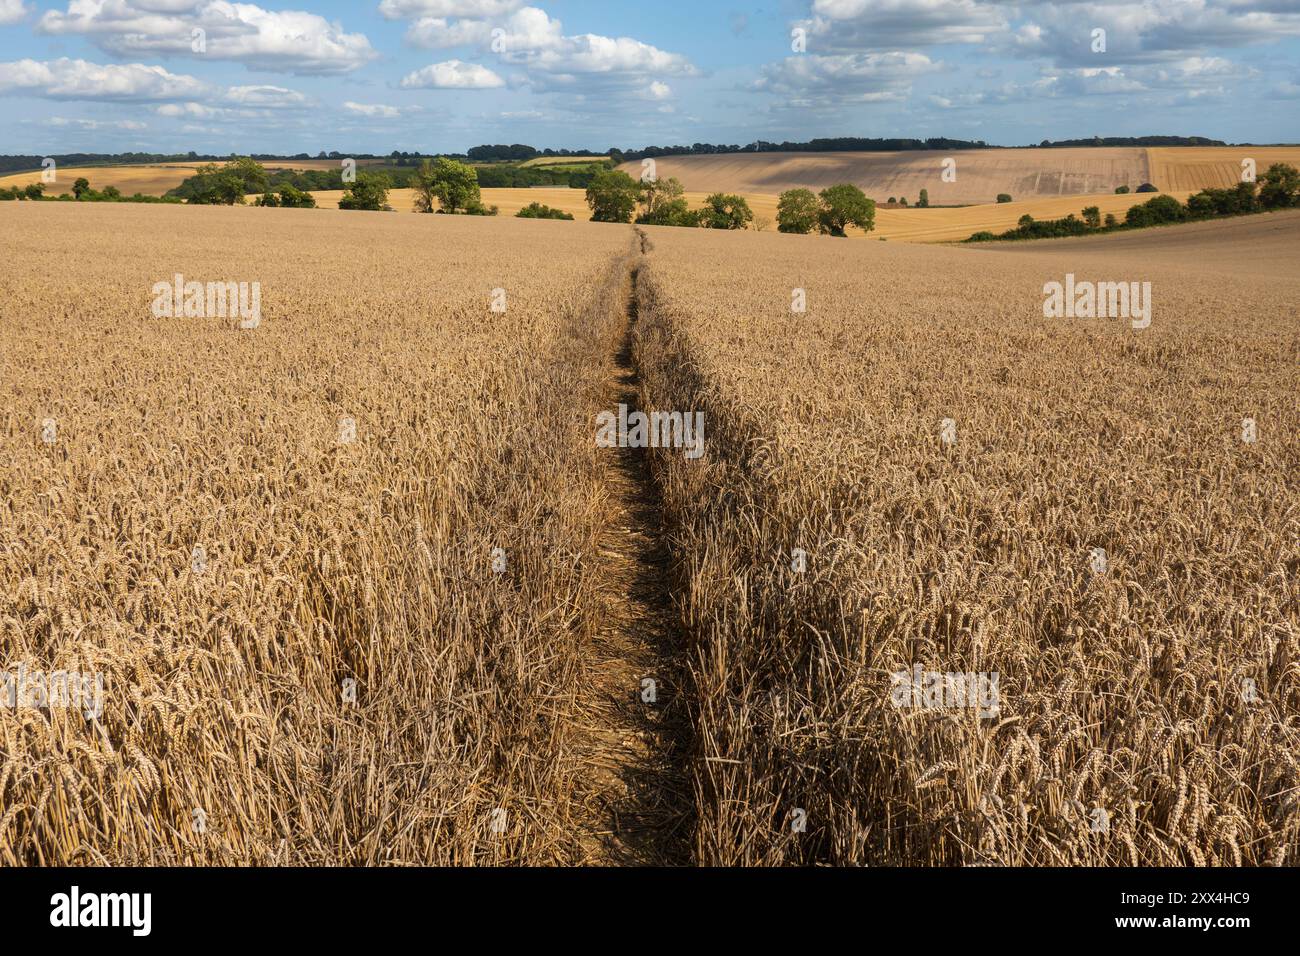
(112, 194)
(797, 211)
(80, 187)
(843, 206)
(725, 211)
(1281, 186)
(1120, 190)
(924, 200)
(227, 185)
(34, 190)
(1092, 216)
(453, 184)
(1004, 197)
(369, 192)
(291, 197)
(612, 196)
(663, 202)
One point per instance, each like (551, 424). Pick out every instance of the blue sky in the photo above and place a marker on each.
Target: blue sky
(442, 75)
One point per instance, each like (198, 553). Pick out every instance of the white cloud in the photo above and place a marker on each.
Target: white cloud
(286, 41)
(536, 43)
(373, 109)
(12, 11)
(809, 80)
(1145, 31)
(62, 123)
(177, 110)
(839, 26)
(66, 79)
(477, 9)
(452, 75)
(266, 97)
(439, 33)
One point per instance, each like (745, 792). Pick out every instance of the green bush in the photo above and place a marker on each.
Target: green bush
(1004, 197)
(1147, 188)
(1281, 187)
(535, 210)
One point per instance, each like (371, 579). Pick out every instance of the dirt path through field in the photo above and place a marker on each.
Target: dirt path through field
(635, 791)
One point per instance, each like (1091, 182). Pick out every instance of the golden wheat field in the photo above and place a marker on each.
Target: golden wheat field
(229, 525)
(915, 473)
(1190, 169)
(364, 586)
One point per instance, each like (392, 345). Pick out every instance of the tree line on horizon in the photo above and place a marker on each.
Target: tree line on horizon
(519, 152)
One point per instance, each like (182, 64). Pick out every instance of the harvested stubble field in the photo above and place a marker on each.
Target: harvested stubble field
(981, 174)
(514, 701)
(325, 561)
(1125, 733)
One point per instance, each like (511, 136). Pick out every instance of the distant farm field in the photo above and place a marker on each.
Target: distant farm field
(153, 180)
(150, 180)
(1024, 174)
(563, 160)
(955, 224)
(980, 174)
(1200, 168)
(896, 223)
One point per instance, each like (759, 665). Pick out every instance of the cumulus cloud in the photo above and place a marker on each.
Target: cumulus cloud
(12, 11)
(376, 110)
(474, 9)
(811, 80)
(66, 79)
(452, 75)
(1145, 31)
(536, 43)
(439, 33)
(266, 97)
(840, 26)
(1183, 81)
(286, 41)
